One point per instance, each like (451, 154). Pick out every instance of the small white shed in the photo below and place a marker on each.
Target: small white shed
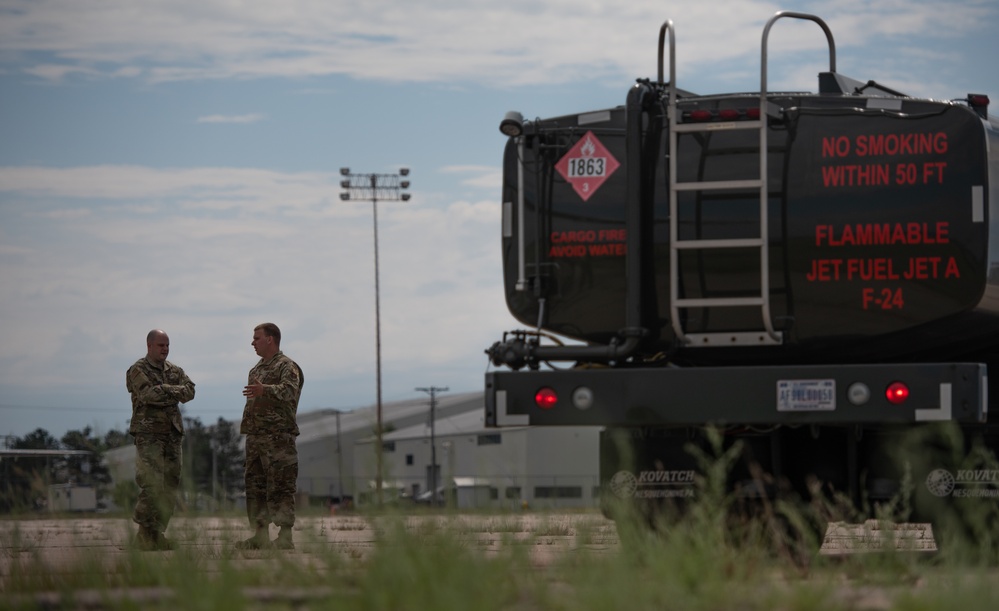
(471, 492)
(71, 497)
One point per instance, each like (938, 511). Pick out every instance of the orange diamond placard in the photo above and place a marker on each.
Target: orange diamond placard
(587, 165)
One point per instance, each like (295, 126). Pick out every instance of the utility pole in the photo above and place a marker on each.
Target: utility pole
(339, 460)
(213, 445)
(215, 477)
(188, 489)
(374, 187)
(432, 391)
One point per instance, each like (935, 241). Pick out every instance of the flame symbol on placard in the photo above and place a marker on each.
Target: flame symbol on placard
(588, 148)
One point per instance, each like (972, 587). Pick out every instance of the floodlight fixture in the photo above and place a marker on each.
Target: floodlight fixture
(512, 124)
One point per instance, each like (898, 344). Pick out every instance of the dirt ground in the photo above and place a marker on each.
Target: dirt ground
(61, 545)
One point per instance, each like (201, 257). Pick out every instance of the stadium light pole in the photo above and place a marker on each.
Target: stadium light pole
(374, 187)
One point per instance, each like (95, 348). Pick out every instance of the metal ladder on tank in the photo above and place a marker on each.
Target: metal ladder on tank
(767, 335)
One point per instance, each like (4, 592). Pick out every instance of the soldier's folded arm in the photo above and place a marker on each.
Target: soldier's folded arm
(146, 392)
(181, 392)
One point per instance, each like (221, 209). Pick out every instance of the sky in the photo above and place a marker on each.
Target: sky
(175, 164)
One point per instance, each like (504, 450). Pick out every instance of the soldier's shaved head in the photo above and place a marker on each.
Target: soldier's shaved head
(153, 334)
(157, 346)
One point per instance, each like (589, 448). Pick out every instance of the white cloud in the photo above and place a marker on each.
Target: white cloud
(86, 283)
(515, 43)
(483, 177)
(58, 72)
(68, 214)
(250, 187)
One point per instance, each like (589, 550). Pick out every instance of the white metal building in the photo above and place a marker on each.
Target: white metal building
(539, 466)
(328, 465)
(542, 466)
(326, 441)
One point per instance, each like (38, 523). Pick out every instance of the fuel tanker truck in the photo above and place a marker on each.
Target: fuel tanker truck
(813, 276)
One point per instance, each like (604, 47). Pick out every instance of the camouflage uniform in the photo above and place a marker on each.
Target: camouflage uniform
(270, 426)
(158, 429)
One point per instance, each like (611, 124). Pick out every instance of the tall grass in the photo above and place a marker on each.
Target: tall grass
(706, 556)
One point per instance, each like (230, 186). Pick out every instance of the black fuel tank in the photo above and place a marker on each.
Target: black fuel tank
(877, 228)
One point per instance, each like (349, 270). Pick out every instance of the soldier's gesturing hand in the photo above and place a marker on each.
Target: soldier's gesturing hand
(254, 390)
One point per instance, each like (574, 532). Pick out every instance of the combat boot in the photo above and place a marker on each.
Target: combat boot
(146, 539)
(163, 544)
(259, 540)
(283, 540)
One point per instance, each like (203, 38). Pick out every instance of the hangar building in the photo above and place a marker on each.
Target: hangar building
(540, 466)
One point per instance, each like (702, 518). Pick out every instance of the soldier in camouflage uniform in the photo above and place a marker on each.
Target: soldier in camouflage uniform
(157, 387)
(269, 423)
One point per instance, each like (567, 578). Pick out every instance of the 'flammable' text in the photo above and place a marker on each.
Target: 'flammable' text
(882, 234)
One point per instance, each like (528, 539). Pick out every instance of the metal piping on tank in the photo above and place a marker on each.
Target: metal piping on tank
(524, 347)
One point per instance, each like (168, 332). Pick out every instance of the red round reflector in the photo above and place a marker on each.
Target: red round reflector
(546, 398)
(897, 393)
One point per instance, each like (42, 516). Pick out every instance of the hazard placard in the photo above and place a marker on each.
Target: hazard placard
(587, 165)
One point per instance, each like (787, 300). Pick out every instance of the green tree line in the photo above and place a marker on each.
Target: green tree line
(212, 470)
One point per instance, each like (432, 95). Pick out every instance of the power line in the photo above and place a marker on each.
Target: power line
(124, 409)
(61, 408)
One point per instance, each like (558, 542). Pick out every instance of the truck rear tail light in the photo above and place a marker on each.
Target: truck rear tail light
(699, 115)
(546, 398)
(728, 114)
(897, 393)
(753, 113)
(978, 100)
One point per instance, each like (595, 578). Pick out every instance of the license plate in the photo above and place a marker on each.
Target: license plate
(806, 395)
